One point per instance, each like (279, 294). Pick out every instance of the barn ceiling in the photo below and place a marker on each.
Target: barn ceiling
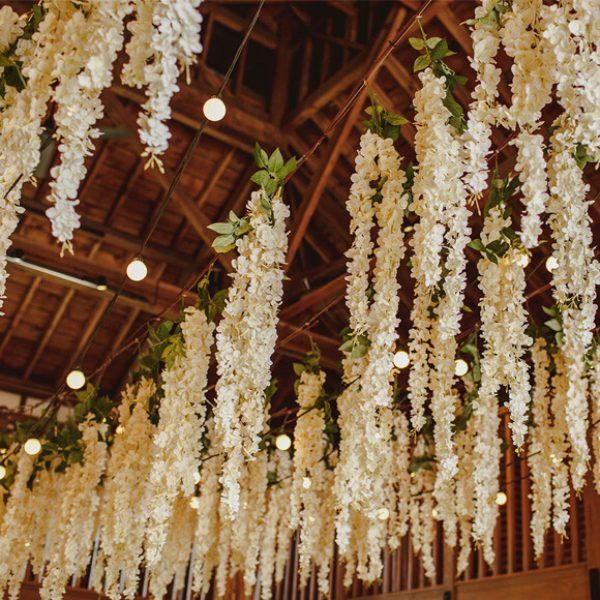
(302, 62)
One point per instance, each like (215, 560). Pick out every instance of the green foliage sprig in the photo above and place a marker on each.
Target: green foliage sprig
(493, 18)
(354, 345)
(555, 322)
(271, 176)
(434, 50)
(501, 191)
(383, 122)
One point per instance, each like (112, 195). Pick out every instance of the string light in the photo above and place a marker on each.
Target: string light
(306, 483)
(401, 359)
(501, 498)
(283, 442)
(460, 367)
(383, 514)
(120, 429)
(214, 109)
(76, 379)
(551, 263)
(137, 269)
(2, 471)
(32, 446)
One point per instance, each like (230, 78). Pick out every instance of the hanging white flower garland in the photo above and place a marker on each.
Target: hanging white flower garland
(176, 461)
(246, 338)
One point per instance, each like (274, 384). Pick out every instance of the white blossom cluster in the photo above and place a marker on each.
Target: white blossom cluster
(176, 460)
(165, 37)
(126, 494)
(312, 504)
(68, 62)
(574, 281)
(246, 338)
(74, 532)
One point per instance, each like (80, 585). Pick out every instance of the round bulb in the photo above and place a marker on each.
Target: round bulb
(401, 359)
(32, 446)
(76, 379)
(196, 477)
(306, 483)
(214, 109)
(460, 367)
(137, 269)
(551, 263)
(101, 287)
(383, 514)
(501, 498)
(120, 429)
(283, 442)
(434, 513)
(2, 471)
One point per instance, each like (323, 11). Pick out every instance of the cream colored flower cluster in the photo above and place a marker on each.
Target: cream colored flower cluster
(312, 505)
(68, 62)
(574, 281)
(75, 527)
(177, 442)
(246, 338)
(364, 406)
(165, 38)
(126, 494)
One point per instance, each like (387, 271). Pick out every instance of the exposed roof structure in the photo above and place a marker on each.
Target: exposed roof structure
(302, 62)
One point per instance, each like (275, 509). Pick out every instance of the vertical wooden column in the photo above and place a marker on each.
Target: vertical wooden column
(591, 506)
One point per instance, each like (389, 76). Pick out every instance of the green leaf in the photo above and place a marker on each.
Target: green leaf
(270, 187)
(393, 119)
(261, 178)
(421, 62)
(275, 161)
(552, 311)
(476, 245)
(222, 228)
(224, 243)
(287, 168)
(440, 50)
(417, 43)
(433, 42)
(554, 324)
(260, 156)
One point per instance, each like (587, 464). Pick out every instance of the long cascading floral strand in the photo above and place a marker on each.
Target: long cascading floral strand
(165, 38)
(540, 448)
(80, 499)
(126, 496)
(371, 339)
(311, 507)
(176, 460)
(96, 34)
(247, 333)
(439, 261)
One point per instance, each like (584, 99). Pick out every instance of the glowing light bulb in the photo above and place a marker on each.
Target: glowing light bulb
(195, 502)
(501, 499)
(196, 477)
(214, 109)
(306, 483)
(551, 263)
(401, 359)
(76, 379)
(383, 514)
(434, 513)
(460, 367)
(32, 446)
(283, 442)
(2, 472)
(120, 429)
(137, 270)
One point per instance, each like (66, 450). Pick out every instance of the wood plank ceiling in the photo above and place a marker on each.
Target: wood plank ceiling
(302, 62)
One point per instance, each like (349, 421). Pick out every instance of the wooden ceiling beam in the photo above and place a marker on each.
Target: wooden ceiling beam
(17, 385)
(16, 320)
(330, 156)
(109, 235)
